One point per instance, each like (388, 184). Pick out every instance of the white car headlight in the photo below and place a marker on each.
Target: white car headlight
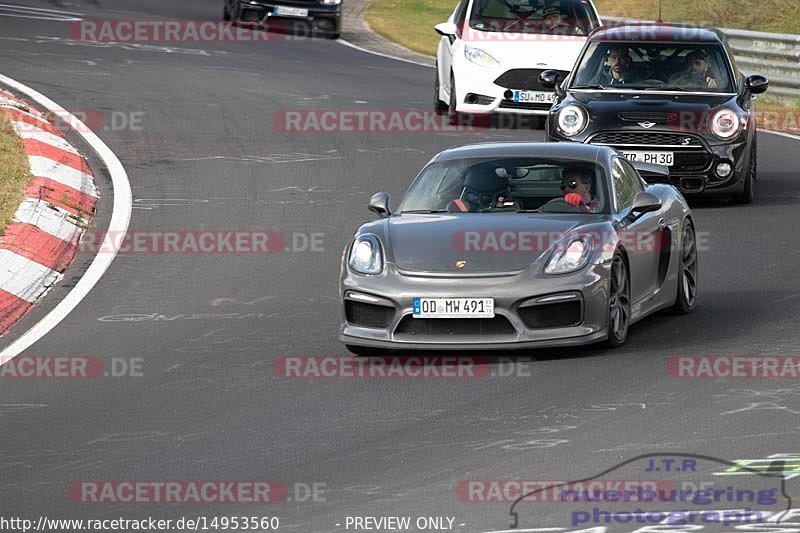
(331, 2)
(366, 255)
(725, 124)
(479, 57)
(570, 255)
(572, 120)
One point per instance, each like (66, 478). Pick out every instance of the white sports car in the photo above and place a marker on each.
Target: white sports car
(492, 51)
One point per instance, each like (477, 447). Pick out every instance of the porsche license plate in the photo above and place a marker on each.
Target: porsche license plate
(666, 159)
(453, 307)
(291, 11)
(534, 97)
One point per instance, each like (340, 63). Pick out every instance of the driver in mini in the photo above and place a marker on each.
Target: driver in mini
(619, 68)
(577, 187)
(697, 74)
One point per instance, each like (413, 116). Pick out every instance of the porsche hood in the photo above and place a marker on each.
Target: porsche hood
(487, 243)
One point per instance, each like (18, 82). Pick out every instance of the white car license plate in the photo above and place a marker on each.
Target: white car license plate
(291, 11)
(657, 158)
(453, 307)
(535, 97)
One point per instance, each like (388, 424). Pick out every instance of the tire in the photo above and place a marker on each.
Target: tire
(619, 302)
(364, 351)
(748, 193)
(438, 105)
(451, 108)
(686, 297)
(226, 15)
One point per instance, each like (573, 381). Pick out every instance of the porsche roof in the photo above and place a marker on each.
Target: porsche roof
(577, 151)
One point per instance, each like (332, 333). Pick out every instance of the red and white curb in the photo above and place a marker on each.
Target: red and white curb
(43, 237)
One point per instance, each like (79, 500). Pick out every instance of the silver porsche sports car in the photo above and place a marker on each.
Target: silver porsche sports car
(518, 245)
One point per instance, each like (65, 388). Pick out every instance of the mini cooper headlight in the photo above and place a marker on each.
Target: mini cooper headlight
(572, 120)
(479, 57)
(366, 255)
(725, 124)
(570, 255)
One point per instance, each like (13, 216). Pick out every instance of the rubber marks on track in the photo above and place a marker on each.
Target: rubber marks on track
(42, 239)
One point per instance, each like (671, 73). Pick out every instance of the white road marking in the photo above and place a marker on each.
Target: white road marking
(379, 54)
(25, 278)
(16, 11)
(120, 218)
(42, 167)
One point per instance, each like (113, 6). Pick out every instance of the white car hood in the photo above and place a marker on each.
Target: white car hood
(526, 50)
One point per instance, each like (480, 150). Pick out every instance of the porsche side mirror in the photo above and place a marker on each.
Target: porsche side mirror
(756, 84)
(644, 202)
(379, 204)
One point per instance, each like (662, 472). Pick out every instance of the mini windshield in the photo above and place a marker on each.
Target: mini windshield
(490, 185)
(564, 17)
(654, 66)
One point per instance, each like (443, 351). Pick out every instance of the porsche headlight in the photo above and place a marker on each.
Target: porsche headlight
(725, 124)
(570, 255)
(479, 57)
(572, 120)
(366, 255)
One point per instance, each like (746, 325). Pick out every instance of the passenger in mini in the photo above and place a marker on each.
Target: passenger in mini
(697, 73)
(576, 184)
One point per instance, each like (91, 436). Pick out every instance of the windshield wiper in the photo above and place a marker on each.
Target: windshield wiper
(528, 211)
(664, 88)
(595, 86)
(424, 212)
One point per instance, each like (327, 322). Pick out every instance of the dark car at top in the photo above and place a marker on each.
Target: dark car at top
(312, 17)
(679, 100)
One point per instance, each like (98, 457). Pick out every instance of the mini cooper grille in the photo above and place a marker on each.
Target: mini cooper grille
(556, 315)
(368, 315)
(510, 104)
(524, 78)
(498, 325)
(643, 138)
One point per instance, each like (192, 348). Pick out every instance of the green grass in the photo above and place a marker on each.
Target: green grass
(14, 171)
(410, 22)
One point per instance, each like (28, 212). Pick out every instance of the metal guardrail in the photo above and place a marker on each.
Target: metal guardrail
(774, 55)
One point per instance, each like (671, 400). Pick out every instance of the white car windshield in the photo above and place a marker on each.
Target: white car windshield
(564, 17)
(654, 66)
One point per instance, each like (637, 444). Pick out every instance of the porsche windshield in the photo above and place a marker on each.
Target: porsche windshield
(654, 66)
(565, 17)
(508, 185)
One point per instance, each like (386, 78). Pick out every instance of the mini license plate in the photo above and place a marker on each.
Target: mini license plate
(666, 159)
(453, 307)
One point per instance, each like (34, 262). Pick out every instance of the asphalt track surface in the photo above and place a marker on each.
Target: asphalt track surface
(208, 405)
